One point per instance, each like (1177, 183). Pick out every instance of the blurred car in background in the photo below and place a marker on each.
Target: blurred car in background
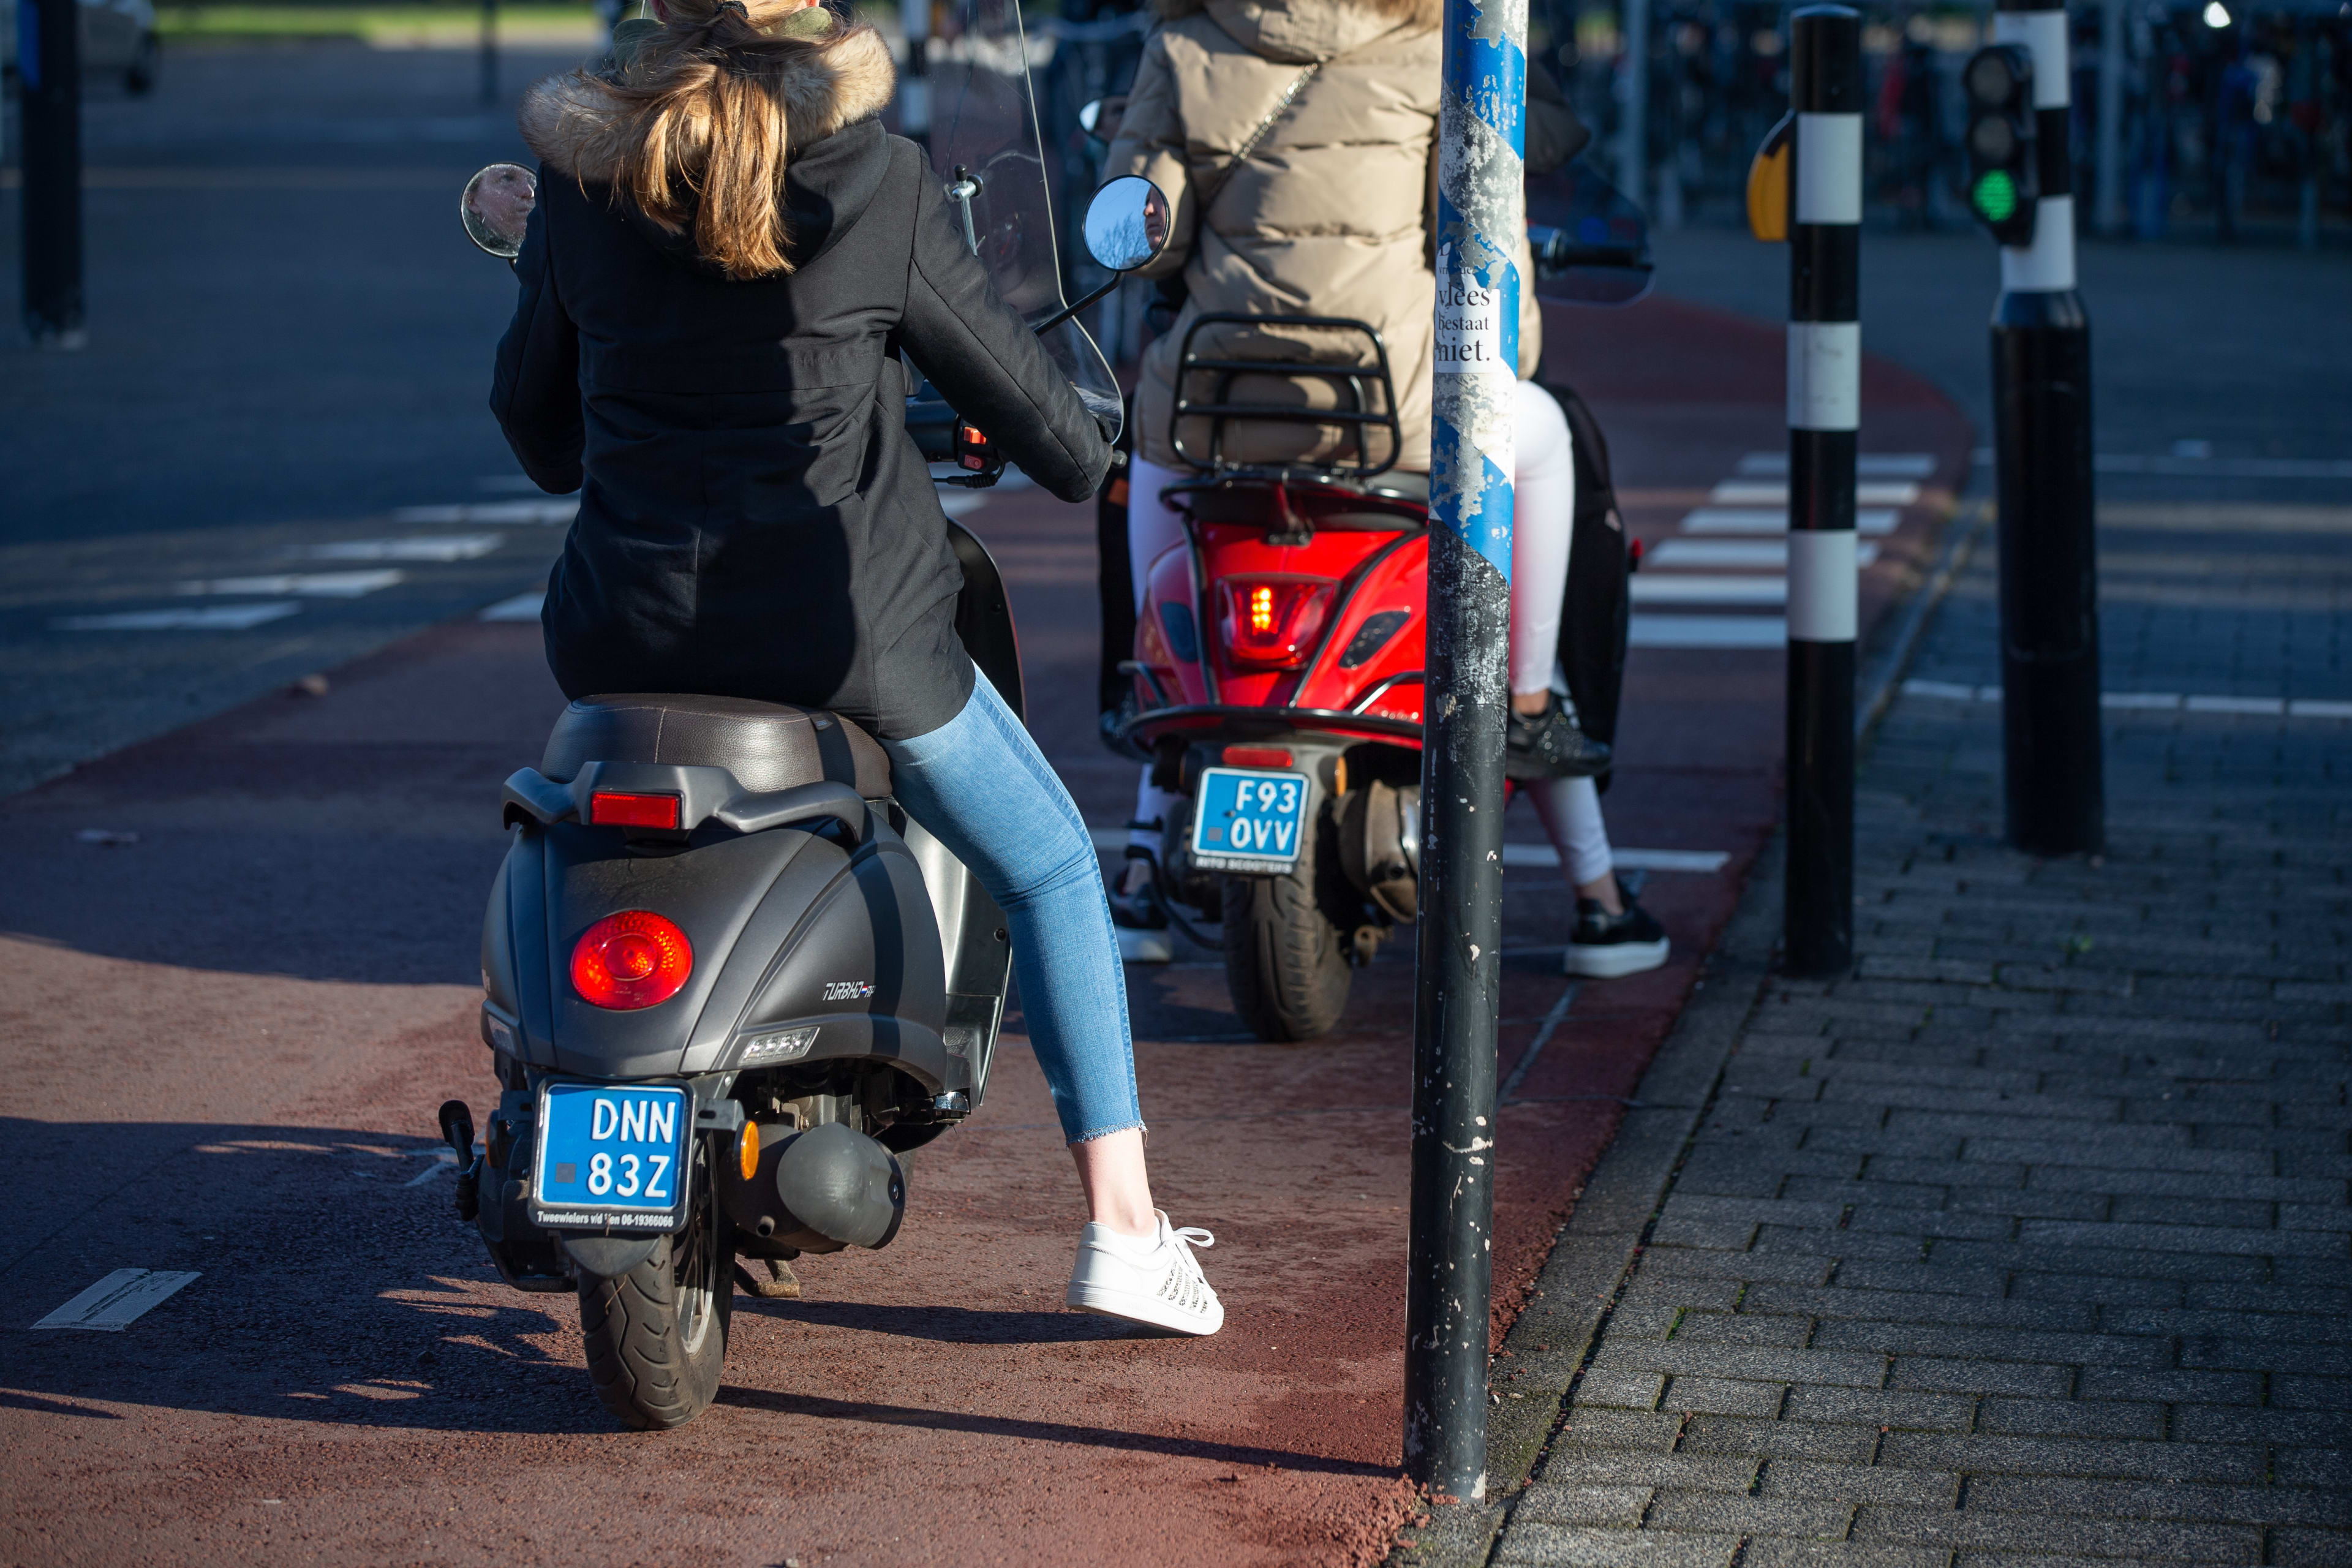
(118, 37)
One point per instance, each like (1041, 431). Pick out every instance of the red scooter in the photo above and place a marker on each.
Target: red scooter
(1278, 655)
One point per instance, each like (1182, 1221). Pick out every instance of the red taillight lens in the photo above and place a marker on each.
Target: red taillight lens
(1256, 757)
(607, 809)
(1273, 622)
(634, 959)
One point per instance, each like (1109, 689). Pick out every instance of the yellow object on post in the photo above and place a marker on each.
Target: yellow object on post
(1768, 185)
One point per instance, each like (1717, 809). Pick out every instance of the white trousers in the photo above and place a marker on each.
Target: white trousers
(1543, 529)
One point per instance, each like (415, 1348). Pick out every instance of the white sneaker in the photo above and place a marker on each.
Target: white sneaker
(1149, 1278)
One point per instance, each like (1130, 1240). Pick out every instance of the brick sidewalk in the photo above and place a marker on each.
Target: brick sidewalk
(2028, 1243)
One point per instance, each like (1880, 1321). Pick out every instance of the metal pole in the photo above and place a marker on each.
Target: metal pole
(1633, 100)
(1481, 227)
(490, 51)
(48, 64)
(2041, 438)
(2111, 117)
(914, 86)
(1824, 417)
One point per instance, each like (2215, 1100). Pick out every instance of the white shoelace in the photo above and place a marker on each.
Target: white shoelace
(1184, 1285)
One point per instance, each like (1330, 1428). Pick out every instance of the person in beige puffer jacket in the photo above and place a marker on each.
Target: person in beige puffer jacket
(1330, 214)
(1296, 141)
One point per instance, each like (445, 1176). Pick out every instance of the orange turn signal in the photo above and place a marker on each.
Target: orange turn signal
(747, 1153)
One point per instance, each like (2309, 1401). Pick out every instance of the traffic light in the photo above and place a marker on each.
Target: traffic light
(2004, 178)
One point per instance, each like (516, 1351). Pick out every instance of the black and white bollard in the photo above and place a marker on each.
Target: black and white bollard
(2054, 778)
(1824, 417)
(48, 65)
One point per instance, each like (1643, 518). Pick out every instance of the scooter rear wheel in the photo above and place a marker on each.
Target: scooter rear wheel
(656, 1336)
(1286, 961)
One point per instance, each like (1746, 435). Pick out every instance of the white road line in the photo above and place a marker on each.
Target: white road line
(1695, 588)
(2227, 467)
(1766, 553)
(1775, 492)
(550, 512)
(1866, 466)
(1868, 522)
(302, 585)
(212, 619)
(443, 1160)
(440, 547)
(521, 607)
(1707, 861)
(119, 1300)
(1709, 631)
(2158, 701)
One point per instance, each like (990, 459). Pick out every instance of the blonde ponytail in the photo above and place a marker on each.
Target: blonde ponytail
(700, 106)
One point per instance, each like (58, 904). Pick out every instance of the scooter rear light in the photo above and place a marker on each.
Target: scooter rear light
(1256, 757)
(1272, 623)
(634, 959)
(610, 809)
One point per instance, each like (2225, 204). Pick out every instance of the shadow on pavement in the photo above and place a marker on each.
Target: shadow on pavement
(1047, 1431)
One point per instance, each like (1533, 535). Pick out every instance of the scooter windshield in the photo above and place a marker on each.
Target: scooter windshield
(987, 151)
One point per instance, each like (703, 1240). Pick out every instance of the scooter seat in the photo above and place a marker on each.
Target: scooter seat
(766, 745)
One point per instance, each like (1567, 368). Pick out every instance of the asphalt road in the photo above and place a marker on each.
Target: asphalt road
(290, 344)
(228, 1027)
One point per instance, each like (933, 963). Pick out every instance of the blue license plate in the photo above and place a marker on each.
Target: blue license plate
(1248, 820)
(611, 1155)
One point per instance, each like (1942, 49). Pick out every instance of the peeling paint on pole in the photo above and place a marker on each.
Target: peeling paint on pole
(1481, 229)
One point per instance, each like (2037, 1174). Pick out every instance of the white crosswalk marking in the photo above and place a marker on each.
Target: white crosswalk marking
(1868, 522)
(521, 607)
(301, 585)
(556, 511)
(211, 618)
(1709, 631)
(1775, 492)
(441, 547)
(1866, 466)
(1695, 588)
(1758, 552)
(2158, 701)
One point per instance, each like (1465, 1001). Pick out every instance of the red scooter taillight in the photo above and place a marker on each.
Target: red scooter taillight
(635, 959)
(1272, 623)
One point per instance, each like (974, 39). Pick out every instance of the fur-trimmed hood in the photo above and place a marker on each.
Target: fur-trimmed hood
(1302, 30)
(577, 129)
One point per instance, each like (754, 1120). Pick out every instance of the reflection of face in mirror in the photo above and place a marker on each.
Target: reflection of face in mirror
(497, 207)
(1127, 223)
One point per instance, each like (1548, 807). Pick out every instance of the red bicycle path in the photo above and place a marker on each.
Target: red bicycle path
(227, 1040)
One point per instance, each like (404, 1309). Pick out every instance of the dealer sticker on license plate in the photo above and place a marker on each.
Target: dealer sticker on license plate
(610, 1156)
(1248, 820)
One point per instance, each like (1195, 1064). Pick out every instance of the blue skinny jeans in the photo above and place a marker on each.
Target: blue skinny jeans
(981, 786)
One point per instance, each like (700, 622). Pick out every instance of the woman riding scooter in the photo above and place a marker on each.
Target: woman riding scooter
(727, 255)
(1297, 142)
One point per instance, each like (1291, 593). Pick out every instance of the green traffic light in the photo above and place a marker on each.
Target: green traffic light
(1996, 196)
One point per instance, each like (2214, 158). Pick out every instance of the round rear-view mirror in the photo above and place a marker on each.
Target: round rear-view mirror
(1127, 223)
(496, 206)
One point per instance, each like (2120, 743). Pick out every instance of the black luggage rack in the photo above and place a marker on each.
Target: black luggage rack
(1353, 379)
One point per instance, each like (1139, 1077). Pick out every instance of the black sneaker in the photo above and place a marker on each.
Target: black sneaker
(1605, 946)
(1548, 745)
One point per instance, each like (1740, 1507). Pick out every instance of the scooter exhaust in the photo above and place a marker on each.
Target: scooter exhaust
(816, 1191)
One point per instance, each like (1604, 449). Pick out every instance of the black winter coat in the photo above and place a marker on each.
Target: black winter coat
(754, 520)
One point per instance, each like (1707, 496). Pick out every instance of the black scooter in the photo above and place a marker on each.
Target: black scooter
(730, 985)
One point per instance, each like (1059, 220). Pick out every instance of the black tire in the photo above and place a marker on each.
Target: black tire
(656, 1336)
(1286, 961)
